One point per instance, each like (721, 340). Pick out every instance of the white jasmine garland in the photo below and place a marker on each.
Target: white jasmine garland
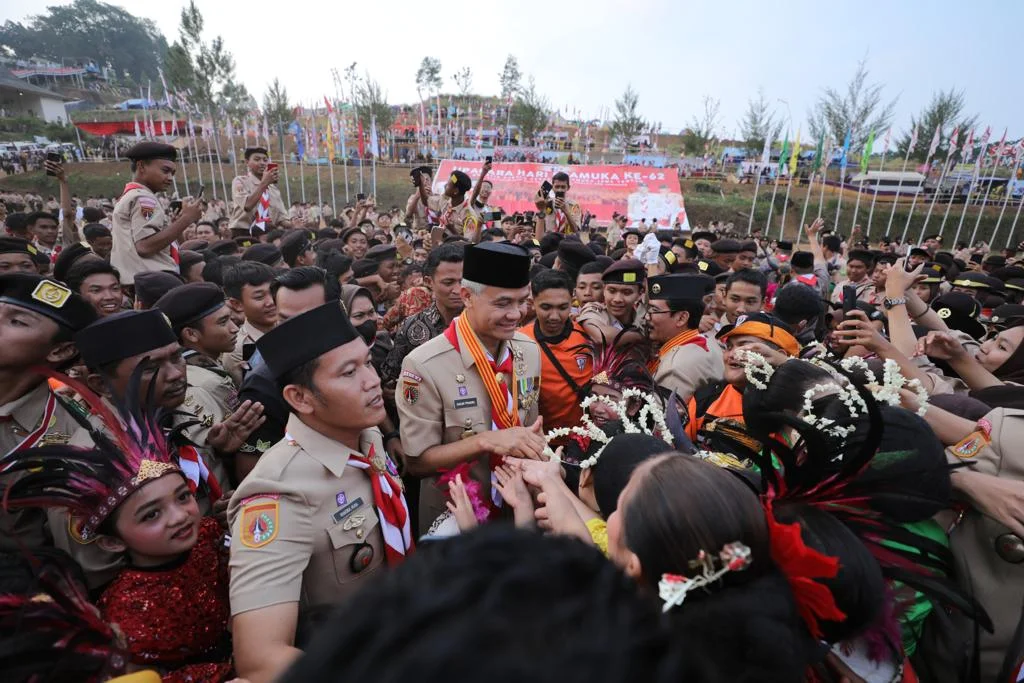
(756, 367)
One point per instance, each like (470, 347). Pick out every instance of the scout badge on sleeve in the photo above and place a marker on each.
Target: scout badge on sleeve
(259, 521)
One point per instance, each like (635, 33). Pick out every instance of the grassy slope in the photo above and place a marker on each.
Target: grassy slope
(705, 200)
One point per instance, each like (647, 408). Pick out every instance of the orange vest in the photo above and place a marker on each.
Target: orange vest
(559, 403)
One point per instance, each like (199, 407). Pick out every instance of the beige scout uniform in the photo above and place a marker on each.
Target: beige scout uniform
(211, 397)
(687, 368)
(557, 221)
(441, 398)
(232, 361)
(596, 312)
(241, 188)
(460, 220)
(297, 521)
(19, 419)
(415, 208)
(137, 215)
(996, 583)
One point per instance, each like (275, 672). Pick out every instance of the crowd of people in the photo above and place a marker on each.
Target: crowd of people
(248, 442)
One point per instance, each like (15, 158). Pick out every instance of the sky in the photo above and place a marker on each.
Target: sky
(584, 53)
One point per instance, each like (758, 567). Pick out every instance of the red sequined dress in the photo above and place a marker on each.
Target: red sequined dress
(175, 617)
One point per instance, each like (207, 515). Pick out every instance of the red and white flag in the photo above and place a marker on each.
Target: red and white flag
(968, 149)
(913, 139)
(954, 138)
(936, 139)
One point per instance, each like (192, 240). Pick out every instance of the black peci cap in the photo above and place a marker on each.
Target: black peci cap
(190, 303)
(153, 284)
(294, 244)
(305, 337)
(679, 287)
(574, 253)
(497, 264)
(124, 335)
(48, 298)
(16, 245)
(263, 253)
(382, 252)
(68, 257)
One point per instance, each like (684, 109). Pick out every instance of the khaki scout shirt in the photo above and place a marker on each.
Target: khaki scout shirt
(463, 220)
(687, 368)
(137, 215)
(241, 188)
(211, 397)
(996, 583)
(232, 361)
(19, 419)
(441, 398)
(297, 520)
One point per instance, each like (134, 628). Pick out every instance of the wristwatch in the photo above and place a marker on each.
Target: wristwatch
(890, 303)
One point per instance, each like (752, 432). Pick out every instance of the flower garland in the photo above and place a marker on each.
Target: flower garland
(651, 409)
(756, 367)
(888, 392)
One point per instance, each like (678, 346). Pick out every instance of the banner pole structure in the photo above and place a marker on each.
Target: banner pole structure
(753, 205)
(856, 205)
(1009, 190)
(184, 167)
(284, 162)
(1013, 226)
(192, 137)
(344, 153)
(771, 204)
(785, 205)
(899, 187)
(999, 150)
(956, 187)
(220, 167)
(330, 165)
(821, 199)
(209, 154)
(874, 195)
(935, 196)
(316, 154)
(807, 202)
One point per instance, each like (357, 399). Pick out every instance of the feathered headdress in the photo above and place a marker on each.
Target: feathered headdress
(618, 365)
(53, 627)
(130, 449)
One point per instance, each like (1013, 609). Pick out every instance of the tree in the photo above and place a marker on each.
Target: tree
(758, 125)
(510, 78)
(702, 127)
(860, 110)
(946, 110)
(213, 83)
(530, 112)
(371, 104)
(464, 80)
(275, 104)
(628, 123)
(89, 31)
(428, 77)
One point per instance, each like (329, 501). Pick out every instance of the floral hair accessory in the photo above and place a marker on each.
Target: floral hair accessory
(888, 392)
(673, 588)
(651, 409)
(756, 367)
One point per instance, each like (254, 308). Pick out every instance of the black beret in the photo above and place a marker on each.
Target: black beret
(305, 337)
(294, 244)
(548, 259)
(224, 248)
(245, 241)
(784, 245)
(1007, 273)
(67, 258)
(751, 245)
(996, 260)
(861, 255)
(123, 335)
(190, 303)
(16, 245)
(365, 267)
(679, 287)
(264, 253)
(348, 232)
(153, 284)
(705, 235)
(574, 253)
(497, 264)
(249, 151)
(709, 267)
(628, 271)
(918, 251)
(421, 169)
(94, 231)
(152, 150)
(382, 252)
(462, 181)
(188, 258)
(934, 273)
(195, 245)
(726, 246)
(48, 298)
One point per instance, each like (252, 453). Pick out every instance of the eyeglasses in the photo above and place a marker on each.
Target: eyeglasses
(655, 311)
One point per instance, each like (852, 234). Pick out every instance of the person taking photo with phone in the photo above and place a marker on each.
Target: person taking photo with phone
(255, 198)
(555, 211)
(145, 236)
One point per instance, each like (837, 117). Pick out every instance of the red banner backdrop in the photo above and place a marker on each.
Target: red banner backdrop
(649, 193)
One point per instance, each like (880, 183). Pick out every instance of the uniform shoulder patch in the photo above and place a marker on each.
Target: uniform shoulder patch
(259, 521)
(971, 445)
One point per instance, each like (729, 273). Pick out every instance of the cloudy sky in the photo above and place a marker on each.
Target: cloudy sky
(583, 53)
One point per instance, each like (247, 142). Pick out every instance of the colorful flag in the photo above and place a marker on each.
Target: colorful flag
(766, 154)
(968, 149)
(844, 159)
(266, 131)
(913, 139)
(866, 154)
(138, 135)
(954, 138)
(885, 143)
(794, 154)
(936, 139)
(362, 147)
(782, 155)
(818, 151)
(374, 142)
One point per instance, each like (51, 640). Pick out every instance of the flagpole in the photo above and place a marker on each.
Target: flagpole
(284, 162)
(956, 185)
(938, 188)
(824, 178)
(316, 150)
(375, 151)
(344, 153)
(785, 205)
(753, 205)
(807, 202)
(874, 194)
(899, 187)
(1013, 226)
(1009, 190)
(970, 191)
(220, 163)
(771, 205)
(209, 154)
(184, 164)
(998, 155)
(192, 138)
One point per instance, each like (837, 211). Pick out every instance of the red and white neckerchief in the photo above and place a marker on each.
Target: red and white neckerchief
(192, 464)
(390, 502)
(262, 213)
(39, 432)
(173, 247)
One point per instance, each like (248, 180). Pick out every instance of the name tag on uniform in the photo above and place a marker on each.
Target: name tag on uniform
(344, 512)
(465, 403)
